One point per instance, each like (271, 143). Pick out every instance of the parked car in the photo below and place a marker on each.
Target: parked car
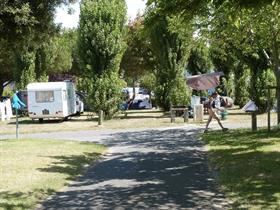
(141, 100)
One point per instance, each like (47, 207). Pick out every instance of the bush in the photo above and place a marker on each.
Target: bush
(265, 79)
(104, 93)
(175, 92)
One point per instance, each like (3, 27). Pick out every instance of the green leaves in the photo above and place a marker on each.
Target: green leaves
(169, 47)
(101, 34)
(101, 46)
(138, 58)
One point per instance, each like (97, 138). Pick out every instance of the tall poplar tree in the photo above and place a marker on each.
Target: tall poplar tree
(101, 47)
(169, 44)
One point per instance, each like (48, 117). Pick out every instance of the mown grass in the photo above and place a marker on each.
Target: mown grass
(248, 166)
(32, 170)
(133, 119)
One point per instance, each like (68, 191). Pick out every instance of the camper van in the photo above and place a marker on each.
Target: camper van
(51, 100)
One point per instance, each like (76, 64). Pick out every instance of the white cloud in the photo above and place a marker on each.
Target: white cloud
(71, 21)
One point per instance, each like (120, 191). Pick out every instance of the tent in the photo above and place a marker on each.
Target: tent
(204, 81)
(250, 107)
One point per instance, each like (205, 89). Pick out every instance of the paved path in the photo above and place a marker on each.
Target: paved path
(144, 169)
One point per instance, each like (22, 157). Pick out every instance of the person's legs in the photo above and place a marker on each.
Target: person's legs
(215, 116)
(210, 112)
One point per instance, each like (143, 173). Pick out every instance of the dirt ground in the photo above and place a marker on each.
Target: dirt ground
(132, 119)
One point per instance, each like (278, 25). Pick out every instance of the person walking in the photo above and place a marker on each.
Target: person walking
(214, 106)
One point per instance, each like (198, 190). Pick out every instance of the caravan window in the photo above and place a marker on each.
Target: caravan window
(44, 96)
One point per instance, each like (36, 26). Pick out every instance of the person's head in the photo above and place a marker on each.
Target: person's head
(214, 95)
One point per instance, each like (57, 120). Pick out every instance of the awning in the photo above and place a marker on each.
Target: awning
(204, 81)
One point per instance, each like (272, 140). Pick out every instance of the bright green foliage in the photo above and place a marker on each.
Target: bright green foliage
(265, 79)
(59, 52)
(107, 94)
(267, 29)
(239, 31)
(21, 18)
(101, 33)
(179, 93)
(7, 64)
(50, 57)
(199, 61)
(248, 166)
(40, 65)
(26, 26)
(25, 62)
(8, 92)
(170, 53)
(101, 46)
(237, 44)
(191, 8)
(242, 85)
(104, 92)
(228, 85)
(148, 81)
(138, 58)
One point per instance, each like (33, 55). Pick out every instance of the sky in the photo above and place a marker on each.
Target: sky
(71, 21)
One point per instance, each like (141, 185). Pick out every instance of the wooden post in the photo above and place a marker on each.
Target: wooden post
(17, 128)
(100, 117)
(186, 115)
(172, 115)
(254, 121)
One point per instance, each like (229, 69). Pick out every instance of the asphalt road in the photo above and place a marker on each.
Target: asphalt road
(144, 169)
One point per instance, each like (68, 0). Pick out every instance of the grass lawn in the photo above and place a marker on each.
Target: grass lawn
(32, 170)
(134, 119)
(153, 118)
(248, 166)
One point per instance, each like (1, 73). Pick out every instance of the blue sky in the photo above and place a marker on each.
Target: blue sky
(71, 21)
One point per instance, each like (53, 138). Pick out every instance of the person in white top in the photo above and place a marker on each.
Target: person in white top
(214, 106)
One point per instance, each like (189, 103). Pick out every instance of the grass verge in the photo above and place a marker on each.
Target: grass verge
(248, 166)
(134, 119)
(32, 170)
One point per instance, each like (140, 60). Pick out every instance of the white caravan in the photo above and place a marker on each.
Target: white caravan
(51, 100)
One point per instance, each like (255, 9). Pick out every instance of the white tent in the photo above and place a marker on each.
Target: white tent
(250, 107)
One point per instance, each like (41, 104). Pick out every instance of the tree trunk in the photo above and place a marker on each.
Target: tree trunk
(241, 93)
(254, 89)
(276, 68)
(1, 88)
(278, 95)
(134, 89)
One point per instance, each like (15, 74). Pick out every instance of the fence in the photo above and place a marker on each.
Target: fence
(6, 110)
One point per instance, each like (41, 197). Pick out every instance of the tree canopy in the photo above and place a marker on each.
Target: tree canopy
(101, 46)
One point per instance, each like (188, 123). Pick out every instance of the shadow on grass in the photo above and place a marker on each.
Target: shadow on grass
(88, 119)
(241, 138)
(143, 117)
(30, 122)
(248, 165)
(21, 200)
(240, 113)
(56, 121)
(72, 166)
(143, 111)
